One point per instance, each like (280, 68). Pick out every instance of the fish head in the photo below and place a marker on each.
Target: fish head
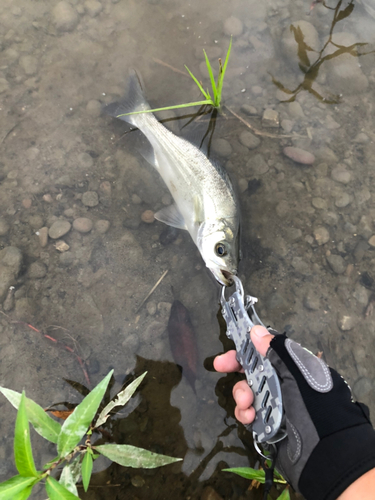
(218, 243)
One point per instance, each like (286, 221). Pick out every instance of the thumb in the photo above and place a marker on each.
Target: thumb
(261, 339)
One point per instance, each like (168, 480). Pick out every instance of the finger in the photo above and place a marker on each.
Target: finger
(243, 395)
(261, 339)
(244, 416)
(227, 362)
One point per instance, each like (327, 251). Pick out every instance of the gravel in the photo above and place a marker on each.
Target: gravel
(336, 263)
(90, 199)
(65, 18)
(83, 224)
(249, 140)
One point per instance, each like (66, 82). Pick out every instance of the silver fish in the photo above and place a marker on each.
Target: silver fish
(205, 202)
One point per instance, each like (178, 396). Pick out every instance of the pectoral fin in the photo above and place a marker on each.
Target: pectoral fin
(171, 216)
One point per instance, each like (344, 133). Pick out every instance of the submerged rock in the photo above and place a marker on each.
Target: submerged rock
(65, 17)
(299, 155)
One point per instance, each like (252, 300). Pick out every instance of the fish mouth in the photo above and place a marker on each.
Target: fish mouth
(223, 276)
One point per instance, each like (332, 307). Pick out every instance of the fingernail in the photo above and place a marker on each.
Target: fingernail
(260, 331)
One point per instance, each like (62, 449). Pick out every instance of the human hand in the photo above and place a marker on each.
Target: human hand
(242, 394)
(330, 443)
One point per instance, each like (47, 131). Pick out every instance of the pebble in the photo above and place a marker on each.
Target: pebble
(59, 228)
(138, 481)
(371, 241)
(4, 227)
(311, 301)
(257, 90)
(83, 224)
(24, 309)
(148, 216)
(346, 323)
(106, 188)
(287, 125)
(151, 307)
(12, 258)
(295, 110)
(340, 174)
(94, 108)
(321, 235)
(270, 118)
(299, 155)
(43, 236)
(90, 199)
(222, 147)
(102, 226)
(164, 309)
(61, 246)
(47, 198)
(85, 161)
(249, 140)
(249, 110)
(257, 165)
(65, 17)
(362, 387)
(66, 259)
(27, 202)
(319, 203)
(93, 7)
(29, 64)
(343, 200)
(362, 195)
(361, 138)
(4, 85)
(136, 199)
(37, 270)
(233, 26)
(336, 263)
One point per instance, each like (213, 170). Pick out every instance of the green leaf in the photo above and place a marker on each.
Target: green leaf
(177, 106)
(86, 469)
(76, 425)
(14, 486)
(23, 454)
(44, 425)
(70, 475)
(285, 495)
(211, 75)
(206, 94)
(24, 494)
(248, 473)
(119, 400)
(220, 79)
(57, 491)
(131, 456)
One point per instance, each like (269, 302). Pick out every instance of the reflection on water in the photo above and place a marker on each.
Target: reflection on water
(82, 253)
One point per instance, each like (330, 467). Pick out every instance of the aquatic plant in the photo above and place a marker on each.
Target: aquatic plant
(259, 476)
(74, 454)
(217, 88)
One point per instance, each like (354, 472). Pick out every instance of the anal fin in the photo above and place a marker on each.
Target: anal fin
(171, 216)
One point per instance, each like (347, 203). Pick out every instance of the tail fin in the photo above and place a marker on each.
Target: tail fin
(134, 100)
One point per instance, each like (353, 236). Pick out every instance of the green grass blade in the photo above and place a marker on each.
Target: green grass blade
(206, 94)
(44, 425)
(177, 106)
(57, 491)
(14, 486)
(222, 71)
(23, 454)
(76, 425)
(210, 72)
(86, 470)
(132, 456)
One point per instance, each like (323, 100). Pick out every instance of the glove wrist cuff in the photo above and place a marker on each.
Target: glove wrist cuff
(337, 461)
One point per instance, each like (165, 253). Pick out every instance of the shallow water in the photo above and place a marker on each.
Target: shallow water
(308, 230)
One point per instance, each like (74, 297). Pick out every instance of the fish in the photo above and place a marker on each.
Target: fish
(205, 203)
(183, 341)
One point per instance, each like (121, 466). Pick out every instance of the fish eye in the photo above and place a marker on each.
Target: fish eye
(220, 249)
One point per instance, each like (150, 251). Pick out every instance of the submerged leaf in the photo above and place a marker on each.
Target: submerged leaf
(302, 46)
(12, 487)
(23, 454)
(345, 13)
(119, 400)
(76, 425)
(87, 463)
(44, 425)
(63, 414)
(57, 491)
(131, 456)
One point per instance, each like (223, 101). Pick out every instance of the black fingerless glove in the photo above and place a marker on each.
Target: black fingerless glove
(330, 441)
